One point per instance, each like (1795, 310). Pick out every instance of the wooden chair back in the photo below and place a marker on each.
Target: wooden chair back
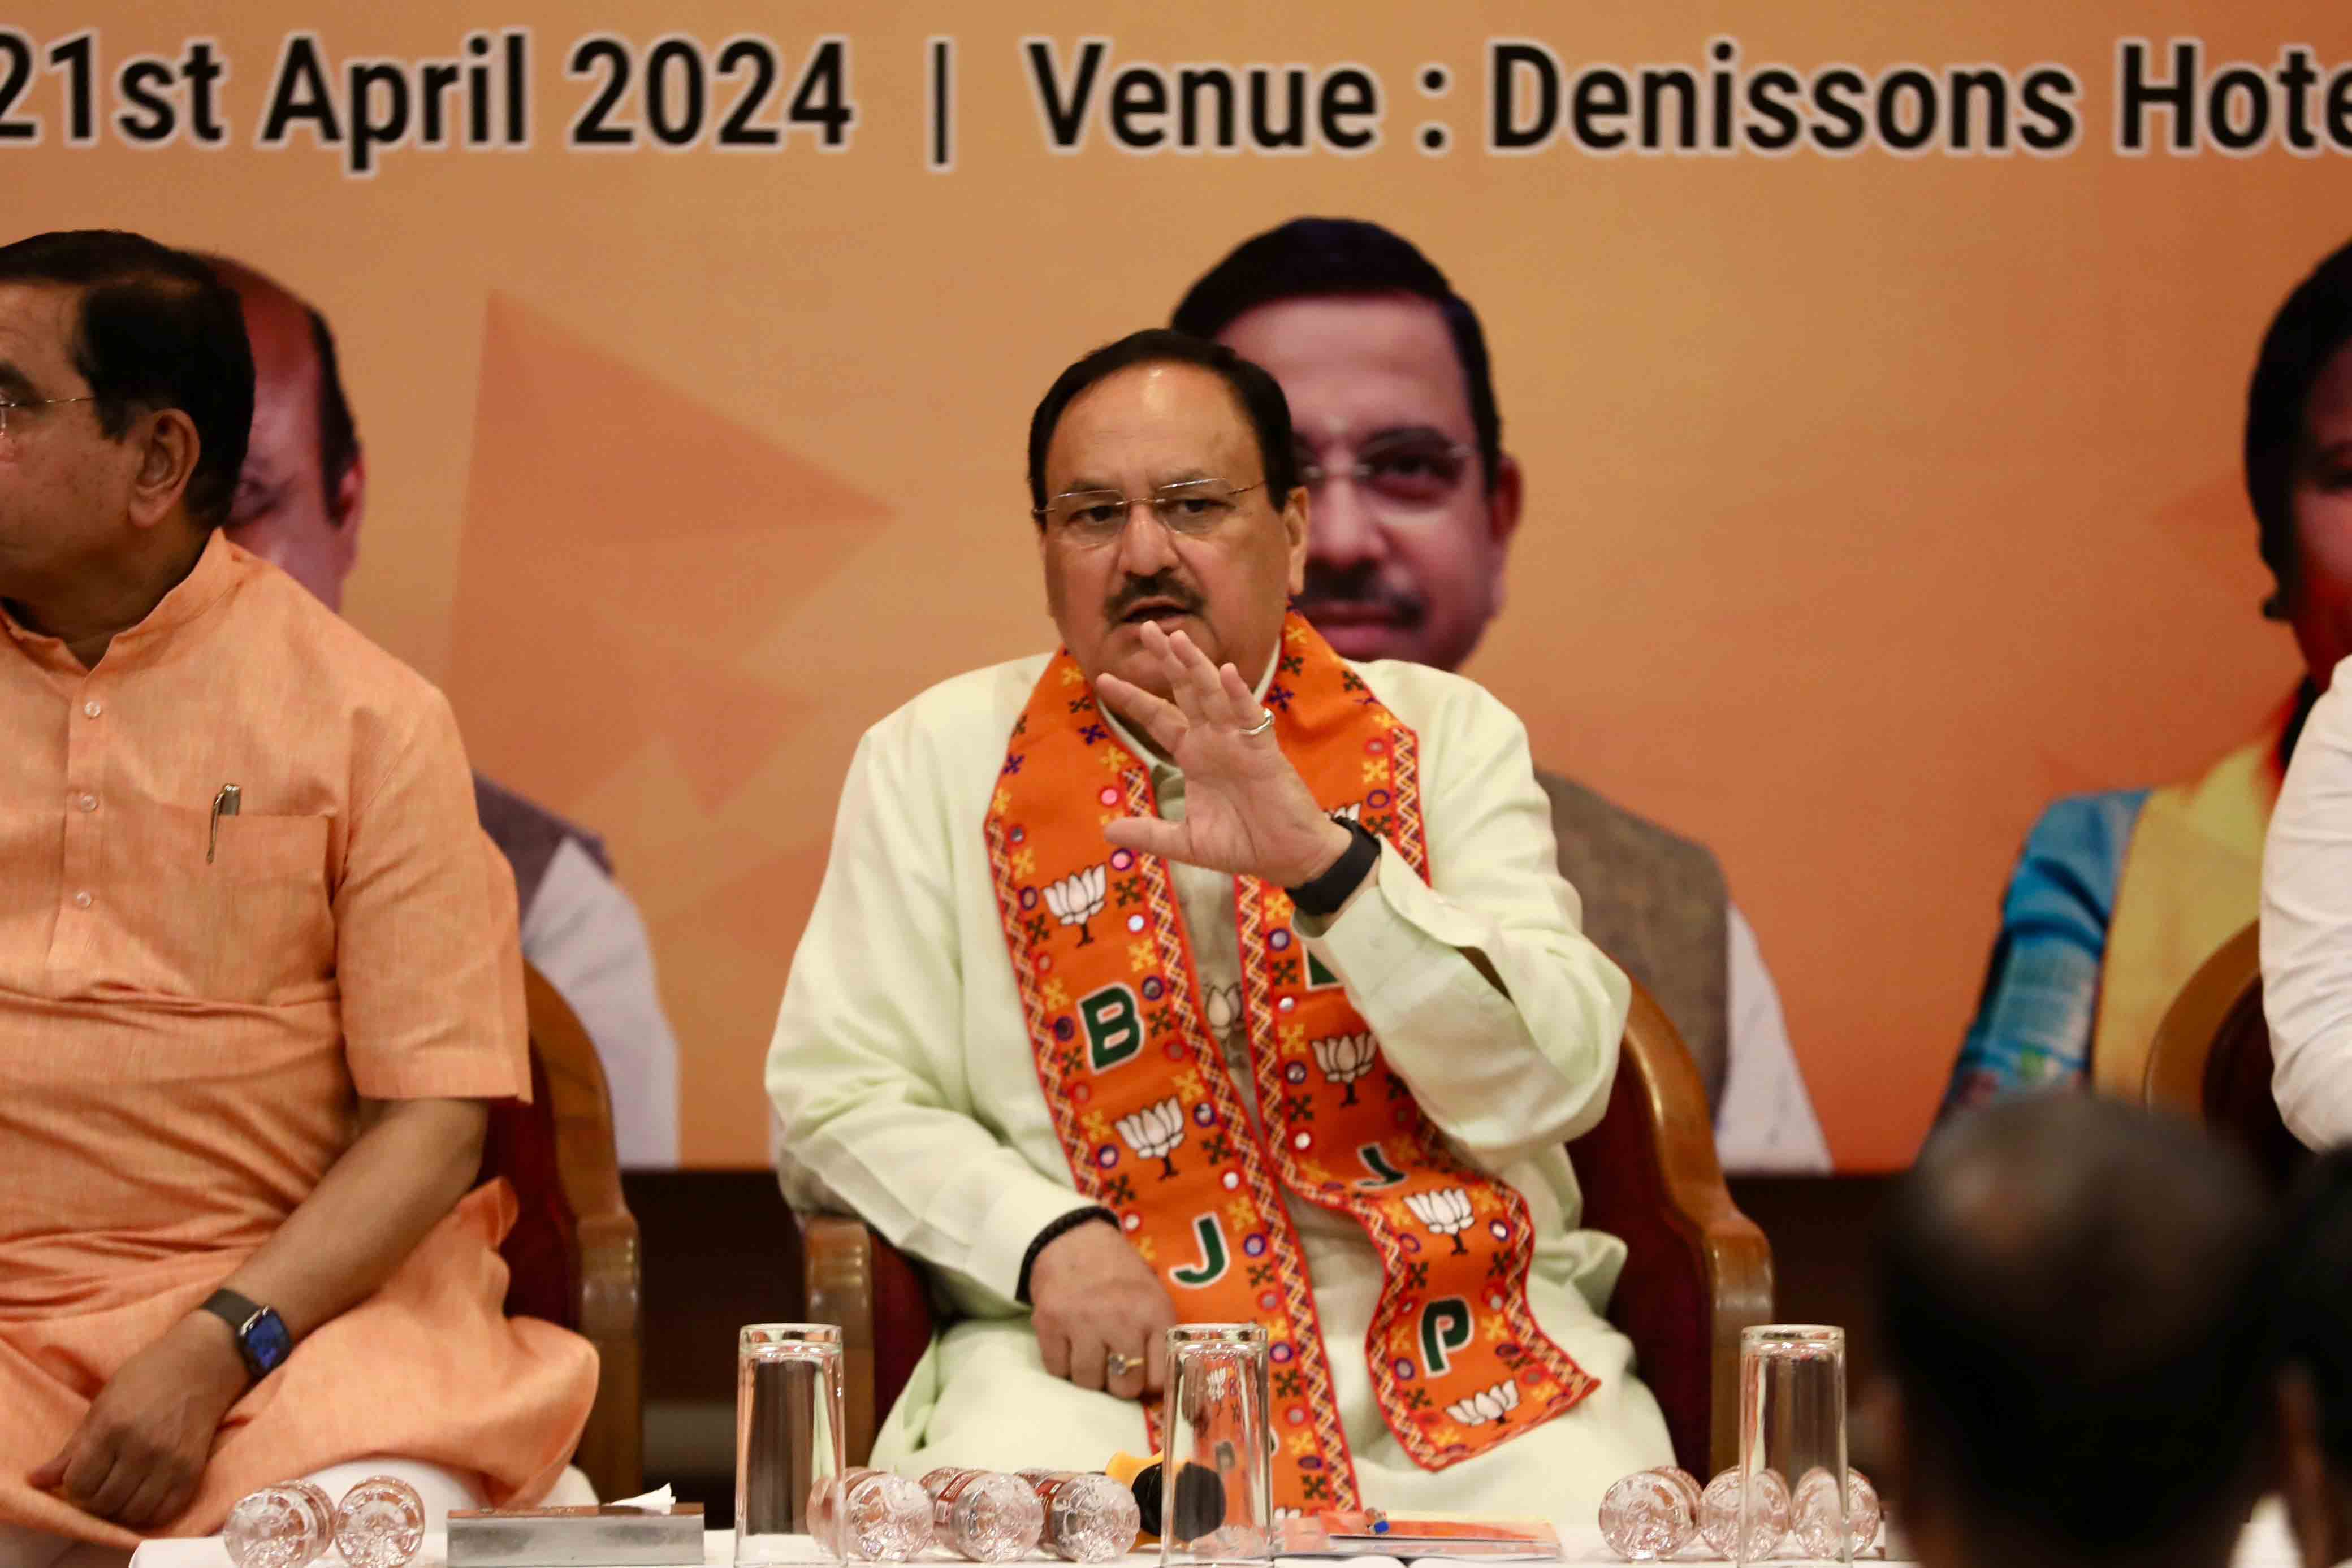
(2210, 1059)
(573, 1256)
(1698, 1271)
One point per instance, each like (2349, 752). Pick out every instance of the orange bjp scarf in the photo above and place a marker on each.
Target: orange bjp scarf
(1157, 1131)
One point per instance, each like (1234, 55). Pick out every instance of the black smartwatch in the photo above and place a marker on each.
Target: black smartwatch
(261, 1336)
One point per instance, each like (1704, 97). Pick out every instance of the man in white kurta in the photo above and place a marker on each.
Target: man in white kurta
(907, 1086)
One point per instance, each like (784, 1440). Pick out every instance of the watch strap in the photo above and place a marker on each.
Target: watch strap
(232, 1309)
(1324, 895)
(1053, 1233)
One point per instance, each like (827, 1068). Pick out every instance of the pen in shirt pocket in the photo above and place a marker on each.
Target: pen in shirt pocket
(227, 803)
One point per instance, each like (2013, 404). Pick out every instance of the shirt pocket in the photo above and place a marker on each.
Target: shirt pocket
(244, 916)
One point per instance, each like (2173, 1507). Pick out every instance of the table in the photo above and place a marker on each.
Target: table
(2264, 1543)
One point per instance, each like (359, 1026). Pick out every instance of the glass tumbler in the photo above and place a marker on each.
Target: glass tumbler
(788, 1439)
(1218, 1432)
(1791, 1422)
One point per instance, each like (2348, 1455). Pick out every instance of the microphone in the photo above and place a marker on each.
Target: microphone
(1200, 1499)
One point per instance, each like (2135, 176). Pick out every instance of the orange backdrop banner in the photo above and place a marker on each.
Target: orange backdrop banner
(1877, 379)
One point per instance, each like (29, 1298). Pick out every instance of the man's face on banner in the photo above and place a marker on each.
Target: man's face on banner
(1406, 539)
(1132, 434)
(283, 512)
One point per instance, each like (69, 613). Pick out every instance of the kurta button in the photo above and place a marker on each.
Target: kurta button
(81, 900)
(87, 802)
(92, 709)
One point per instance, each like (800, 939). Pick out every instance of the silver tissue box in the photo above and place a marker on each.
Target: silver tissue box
(574, 1537)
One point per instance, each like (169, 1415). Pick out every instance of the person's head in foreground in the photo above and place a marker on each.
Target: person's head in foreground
(299, 496)
(2298, 462)
(126, 388)
(2071, 1302)
(1399, 445)
(2314, 1345)
(1165, 494)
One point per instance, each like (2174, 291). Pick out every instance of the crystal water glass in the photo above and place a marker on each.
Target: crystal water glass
(1218, 1429)
(788, 1439)
(1791, 1422)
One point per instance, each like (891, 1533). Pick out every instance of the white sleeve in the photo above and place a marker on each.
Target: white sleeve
(1765, 1125)
(585, 936)
(2307, 936)
(1487, 997)
(869, 1070)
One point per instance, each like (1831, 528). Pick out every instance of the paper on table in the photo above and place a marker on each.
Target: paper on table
(661, 1500)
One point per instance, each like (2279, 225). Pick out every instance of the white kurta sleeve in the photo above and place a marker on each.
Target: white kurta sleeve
(867, 1070)
(2307, 938)
(1766, 1124)
(1486, 998)
(584, 934)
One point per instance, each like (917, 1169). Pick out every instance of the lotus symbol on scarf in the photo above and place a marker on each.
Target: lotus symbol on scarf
(1344, 1058)
(1445, 1211)
(1493, 1404)
(1225, 1007)
(1154, 1132)
(1076, 899)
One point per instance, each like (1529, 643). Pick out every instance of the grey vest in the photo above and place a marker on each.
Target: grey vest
(1658, 904)
(528, 834)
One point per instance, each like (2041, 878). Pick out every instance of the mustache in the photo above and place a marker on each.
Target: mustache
(1359, 587)
(1158, 585)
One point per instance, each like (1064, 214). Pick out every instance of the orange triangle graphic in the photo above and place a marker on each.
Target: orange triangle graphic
(626, 549)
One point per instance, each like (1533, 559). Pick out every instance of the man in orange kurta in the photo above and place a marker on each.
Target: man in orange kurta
(259, 972)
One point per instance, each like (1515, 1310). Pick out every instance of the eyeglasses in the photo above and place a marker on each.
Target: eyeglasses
(1408, 473)
(7, 408)
(1196, 508)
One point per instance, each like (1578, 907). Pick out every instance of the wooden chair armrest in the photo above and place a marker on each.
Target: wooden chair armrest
(609, 1312)
(837, 1277)
(1737, 1264)
(612, 1450)
(1697, 1270)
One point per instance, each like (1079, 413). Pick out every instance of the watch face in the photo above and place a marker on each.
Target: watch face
(265, 1342)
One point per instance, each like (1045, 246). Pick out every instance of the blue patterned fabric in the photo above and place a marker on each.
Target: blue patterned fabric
(2033, 1028)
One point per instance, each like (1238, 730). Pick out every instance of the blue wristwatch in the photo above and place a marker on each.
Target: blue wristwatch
(261, 1336)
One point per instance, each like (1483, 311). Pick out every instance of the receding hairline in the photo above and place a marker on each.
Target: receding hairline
(1233, 397)
(1384, 294)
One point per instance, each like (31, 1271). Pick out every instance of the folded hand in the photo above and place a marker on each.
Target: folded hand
(142, 1445)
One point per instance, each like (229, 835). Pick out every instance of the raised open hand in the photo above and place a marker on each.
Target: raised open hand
(1246, 811)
